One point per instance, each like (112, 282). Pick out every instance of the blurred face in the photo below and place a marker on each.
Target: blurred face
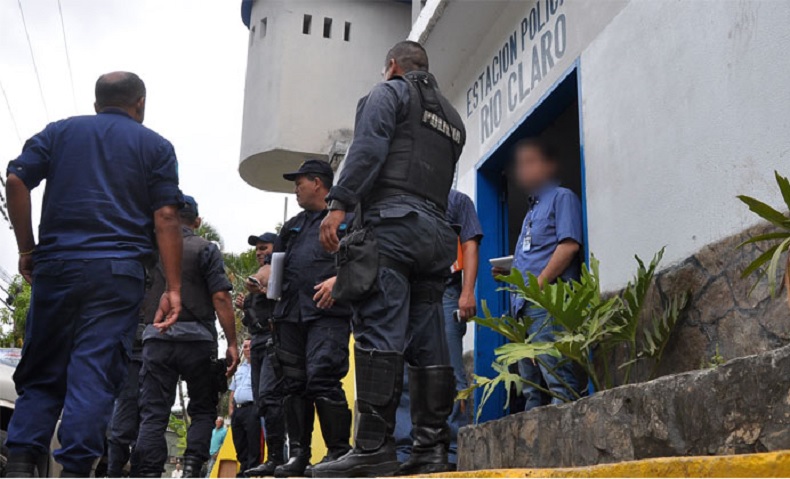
(246, 349)
(219, 422)
(262, 250)
(533, 170)
(309, 193)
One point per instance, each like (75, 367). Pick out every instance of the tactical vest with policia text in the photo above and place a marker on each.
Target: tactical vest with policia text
(426, 146)
(196, 301)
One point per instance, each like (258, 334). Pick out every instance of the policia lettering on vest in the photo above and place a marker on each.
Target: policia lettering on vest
(398, 171)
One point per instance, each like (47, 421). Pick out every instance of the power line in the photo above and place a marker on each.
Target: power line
(68, 59)
(11, 113)
(33, 57)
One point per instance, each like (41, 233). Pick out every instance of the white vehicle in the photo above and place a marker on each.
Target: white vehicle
(9, 359)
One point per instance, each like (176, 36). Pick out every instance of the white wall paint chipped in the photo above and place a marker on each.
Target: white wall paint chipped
(685, 105)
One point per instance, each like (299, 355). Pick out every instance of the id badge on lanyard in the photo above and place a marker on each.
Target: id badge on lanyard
(526, 245)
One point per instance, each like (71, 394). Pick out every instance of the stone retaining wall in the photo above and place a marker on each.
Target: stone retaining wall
(740, 407)
(722, 316)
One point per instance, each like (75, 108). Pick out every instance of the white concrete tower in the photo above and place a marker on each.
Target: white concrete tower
(308, 63)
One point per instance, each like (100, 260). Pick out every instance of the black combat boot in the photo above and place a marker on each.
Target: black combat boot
(21, 464)
(432, 394)
(192, 467)
(275, 445)
(379, 377)
(335, 420)
(299, 417)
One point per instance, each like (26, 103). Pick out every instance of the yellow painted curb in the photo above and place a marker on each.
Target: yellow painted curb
(770, 464)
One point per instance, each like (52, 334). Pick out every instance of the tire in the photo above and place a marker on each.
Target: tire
(3, 453)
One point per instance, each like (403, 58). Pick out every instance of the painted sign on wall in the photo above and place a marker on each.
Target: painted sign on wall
(538, 42)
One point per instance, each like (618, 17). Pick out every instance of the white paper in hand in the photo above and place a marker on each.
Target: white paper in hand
(274, 290)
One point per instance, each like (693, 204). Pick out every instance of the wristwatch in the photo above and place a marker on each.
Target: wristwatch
(335, 205)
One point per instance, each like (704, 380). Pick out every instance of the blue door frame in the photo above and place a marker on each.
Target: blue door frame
(493, 211)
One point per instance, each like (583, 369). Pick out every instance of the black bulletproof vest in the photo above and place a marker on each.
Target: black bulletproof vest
(196, 302)
(427, 144)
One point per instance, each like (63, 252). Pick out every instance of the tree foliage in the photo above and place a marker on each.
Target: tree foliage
(14, 315)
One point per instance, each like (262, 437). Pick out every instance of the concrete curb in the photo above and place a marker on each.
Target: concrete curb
(770, 464)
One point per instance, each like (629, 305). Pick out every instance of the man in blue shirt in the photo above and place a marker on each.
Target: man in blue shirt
(548, 247)
(244, 420)
(111, 184)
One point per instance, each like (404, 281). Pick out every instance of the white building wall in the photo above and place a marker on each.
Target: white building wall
(685, 105)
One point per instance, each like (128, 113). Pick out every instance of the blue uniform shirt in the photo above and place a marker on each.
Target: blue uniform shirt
(307, 265)
(555, 216)
(461, 213)
(106, 175)
(242, 384)
(374, 127)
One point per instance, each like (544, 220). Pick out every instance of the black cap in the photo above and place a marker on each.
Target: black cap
(314, 167)
(264, 238)
(190, 206)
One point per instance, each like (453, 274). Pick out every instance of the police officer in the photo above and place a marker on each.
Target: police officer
(187, 350)
(126, 415)
(266, 386)
(400, 166)
(312, 332)
(110, 184)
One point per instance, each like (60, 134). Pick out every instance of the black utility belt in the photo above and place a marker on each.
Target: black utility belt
(243, 405)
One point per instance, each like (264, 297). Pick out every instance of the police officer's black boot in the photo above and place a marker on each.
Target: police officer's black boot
(431, 394)
(275, 445)
(21, 464)
(379, 377)
(299, 417)
(335, 420)
(192, 467)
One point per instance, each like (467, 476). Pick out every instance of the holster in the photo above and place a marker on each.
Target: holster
(357, 263)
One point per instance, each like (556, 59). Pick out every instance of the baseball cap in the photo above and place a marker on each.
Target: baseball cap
(315, 167)
(264, 238)
(190, 206)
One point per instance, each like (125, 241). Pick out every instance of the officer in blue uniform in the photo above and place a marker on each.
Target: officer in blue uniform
(111, 183)
(400, 166)
(266, 386)
(312, 332)
(188, 350)
(125, 422)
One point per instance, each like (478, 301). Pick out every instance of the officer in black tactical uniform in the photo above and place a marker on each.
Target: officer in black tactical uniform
(187, 350)
(312, 332)
(266, 387)
(125, 422)
(400, 166)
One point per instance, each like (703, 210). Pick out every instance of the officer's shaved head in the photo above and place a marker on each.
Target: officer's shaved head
(119, 89)
(410, 56)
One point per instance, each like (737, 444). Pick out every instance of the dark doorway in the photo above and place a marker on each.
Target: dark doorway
(502, 206)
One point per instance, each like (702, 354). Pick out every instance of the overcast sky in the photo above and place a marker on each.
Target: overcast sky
(192, 56)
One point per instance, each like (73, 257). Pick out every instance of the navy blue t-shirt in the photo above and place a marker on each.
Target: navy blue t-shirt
(106, 174)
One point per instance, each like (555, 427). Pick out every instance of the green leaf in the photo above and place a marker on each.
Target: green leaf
(765, 237)
(772, 268)
(766, 212)
(759, 261)
(784, 187)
